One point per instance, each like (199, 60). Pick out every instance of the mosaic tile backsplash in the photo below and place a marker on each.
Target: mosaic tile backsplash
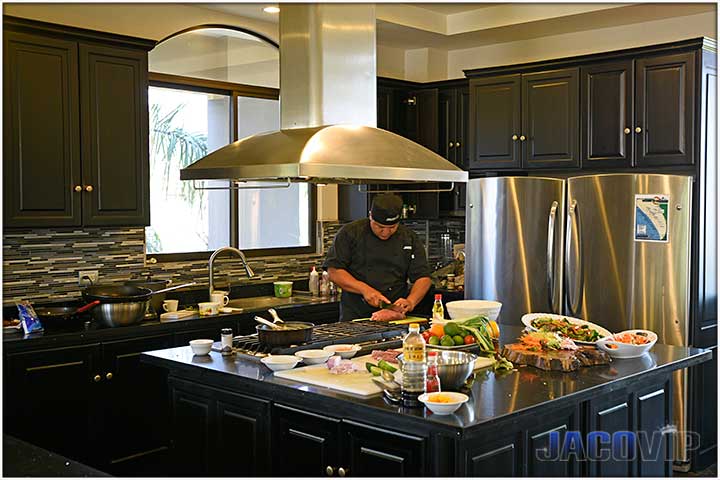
(42, 264)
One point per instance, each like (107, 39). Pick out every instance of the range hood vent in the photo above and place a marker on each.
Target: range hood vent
(341, 154)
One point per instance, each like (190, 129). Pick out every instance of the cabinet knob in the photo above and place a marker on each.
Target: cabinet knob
(88, 188)
(638, 130)
(97, 378)
(109, 375)
(329, 471)
(78, 188)
(342, 471)
(514, 137)
(626, 131)
(522, 138)
(451, 144)
(457, 144)
(151, 260)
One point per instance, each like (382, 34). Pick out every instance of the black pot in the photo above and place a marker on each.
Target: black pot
(283, 338)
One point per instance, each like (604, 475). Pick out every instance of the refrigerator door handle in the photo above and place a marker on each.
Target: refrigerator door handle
(576, 270)
(551, 257)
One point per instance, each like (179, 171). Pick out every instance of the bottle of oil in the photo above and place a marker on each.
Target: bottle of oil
(438, 311)
(413, 368)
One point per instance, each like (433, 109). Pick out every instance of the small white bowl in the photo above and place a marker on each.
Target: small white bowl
(627, 350)
(443, 408)
(277, 363)
(315, 356)
(345, 350)
(460, 309)
(201, 346)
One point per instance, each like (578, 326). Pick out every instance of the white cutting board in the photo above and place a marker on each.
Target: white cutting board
(359, 383)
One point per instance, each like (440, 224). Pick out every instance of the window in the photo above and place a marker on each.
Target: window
(210, 87)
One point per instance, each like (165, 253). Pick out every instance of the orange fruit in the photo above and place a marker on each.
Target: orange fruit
(494, 329)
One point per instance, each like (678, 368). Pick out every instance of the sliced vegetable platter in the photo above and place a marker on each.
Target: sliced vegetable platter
(531, 320)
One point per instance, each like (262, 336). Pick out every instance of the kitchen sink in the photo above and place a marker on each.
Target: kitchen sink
(263, 303)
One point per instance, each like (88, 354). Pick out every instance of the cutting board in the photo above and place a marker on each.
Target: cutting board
(359, 383)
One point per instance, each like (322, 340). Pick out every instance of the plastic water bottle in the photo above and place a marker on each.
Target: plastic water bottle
(314, 282)
(413, 368)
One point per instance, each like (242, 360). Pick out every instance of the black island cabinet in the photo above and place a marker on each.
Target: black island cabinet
(599, 421)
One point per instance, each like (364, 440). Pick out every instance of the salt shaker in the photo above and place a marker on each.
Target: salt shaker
(226, 342)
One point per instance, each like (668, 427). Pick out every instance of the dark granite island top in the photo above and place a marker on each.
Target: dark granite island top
(511, 408)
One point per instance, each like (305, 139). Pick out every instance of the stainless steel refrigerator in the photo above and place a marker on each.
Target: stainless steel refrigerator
(611, 249)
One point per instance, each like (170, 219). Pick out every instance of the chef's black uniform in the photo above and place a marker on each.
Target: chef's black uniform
(385, 265)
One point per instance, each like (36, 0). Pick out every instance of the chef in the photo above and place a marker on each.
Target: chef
(373, 259)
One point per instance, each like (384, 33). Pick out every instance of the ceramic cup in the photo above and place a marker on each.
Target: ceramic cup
(283, 289)
(218, 297)
(209, 308)
(170, 305)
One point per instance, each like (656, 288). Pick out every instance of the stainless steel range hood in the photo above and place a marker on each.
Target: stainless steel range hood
(328, 154)
(328, 112)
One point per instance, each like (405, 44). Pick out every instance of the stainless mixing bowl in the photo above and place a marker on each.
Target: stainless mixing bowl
(454, 367)
(119, 314)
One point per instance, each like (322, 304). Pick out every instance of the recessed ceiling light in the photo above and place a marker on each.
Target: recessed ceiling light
(271, 10)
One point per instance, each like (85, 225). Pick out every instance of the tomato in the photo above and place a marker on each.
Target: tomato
(469, 339)
(426, 335)
(437, 330)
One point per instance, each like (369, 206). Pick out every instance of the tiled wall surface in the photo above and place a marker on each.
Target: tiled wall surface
(43, 264)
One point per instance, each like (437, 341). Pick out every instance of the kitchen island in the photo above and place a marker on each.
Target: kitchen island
(231, 416)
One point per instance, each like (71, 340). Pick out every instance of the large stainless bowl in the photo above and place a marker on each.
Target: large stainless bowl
(119, 314)
(454, 367)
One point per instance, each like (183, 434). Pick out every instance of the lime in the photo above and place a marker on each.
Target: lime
(451, 329)
(458, 340)
(447, 341)
(433, 340)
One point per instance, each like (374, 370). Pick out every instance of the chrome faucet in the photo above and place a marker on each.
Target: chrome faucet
(235, 252)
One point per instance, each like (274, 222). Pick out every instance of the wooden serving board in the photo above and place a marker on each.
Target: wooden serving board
(560, 360)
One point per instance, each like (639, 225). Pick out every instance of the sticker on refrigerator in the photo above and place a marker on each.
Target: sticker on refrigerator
(651, 218)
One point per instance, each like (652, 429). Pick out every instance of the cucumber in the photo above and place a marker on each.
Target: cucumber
(376, 371)
(386, 366)
(370, 366)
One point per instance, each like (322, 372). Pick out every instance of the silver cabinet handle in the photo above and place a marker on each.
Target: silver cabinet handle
(638, 130)
(626, 131)
(551, 257)
(342, 471)
(329, 471)
(514, 137)
(574, 242)
(522, 138)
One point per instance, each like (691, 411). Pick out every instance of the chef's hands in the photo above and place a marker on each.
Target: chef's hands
(373, 297)
(403, 305)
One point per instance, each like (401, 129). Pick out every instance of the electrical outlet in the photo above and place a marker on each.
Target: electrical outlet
(83, 276)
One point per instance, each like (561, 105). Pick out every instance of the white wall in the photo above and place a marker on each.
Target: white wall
(580, 43)
(390, 62)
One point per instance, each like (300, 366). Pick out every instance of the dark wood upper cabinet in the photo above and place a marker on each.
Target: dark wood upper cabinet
(115, 135)
(41, 132)
(550, 120)
(495, 119)
(665, 110)
(76, 127)
(426, 105)
(606, 103)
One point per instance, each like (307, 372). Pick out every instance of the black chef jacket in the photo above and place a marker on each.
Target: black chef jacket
(385, 265)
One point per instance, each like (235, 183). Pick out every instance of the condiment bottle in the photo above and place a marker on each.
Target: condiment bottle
(226, 342)
(314, 282)
(451, 281)
(413, 367)
(438, 311)
(432, 381)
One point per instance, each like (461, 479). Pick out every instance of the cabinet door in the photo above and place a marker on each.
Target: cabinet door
(606, 97)
(192, 412)
(539, 446)
(427, 118)
(376, 452)
(310, 443)
(384, 108)
(41, 152)
(653, 414)
(550, 119)
(447, 123)
(129, 434)
(500, 456)
(114, 112)
(704, 395)
(462, 128)
(495, 125)
(665, 110)
(51, 399)
(610, 413)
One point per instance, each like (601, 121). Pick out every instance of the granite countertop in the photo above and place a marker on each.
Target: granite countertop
(22, 459)
(493, 396)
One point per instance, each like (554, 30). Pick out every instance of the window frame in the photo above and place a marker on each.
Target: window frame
(234, 91)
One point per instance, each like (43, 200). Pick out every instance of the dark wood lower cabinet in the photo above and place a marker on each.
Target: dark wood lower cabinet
(377, 452)
(611, 413)
(501, 455)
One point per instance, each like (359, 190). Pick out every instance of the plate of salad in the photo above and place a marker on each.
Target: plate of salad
(579, 331)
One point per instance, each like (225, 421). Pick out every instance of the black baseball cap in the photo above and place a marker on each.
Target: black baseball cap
(386, 208)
